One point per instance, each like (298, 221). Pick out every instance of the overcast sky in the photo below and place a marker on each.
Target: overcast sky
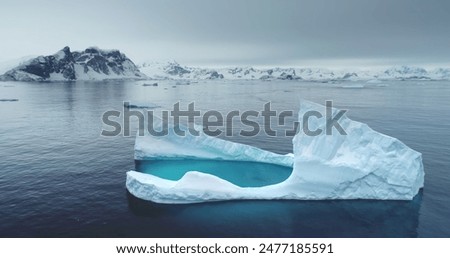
(314, 33)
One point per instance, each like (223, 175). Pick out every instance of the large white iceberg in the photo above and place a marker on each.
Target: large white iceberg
(363, 164)
(173, 146)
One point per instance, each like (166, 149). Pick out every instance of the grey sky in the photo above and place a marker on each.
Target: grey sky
(263, 33)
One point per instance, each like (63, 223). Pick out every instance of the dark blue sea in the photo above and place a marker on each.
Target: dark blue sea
(60, 178)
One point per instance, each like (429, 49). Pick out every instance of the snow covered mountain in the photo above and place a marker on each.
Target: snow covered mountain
(173, 70)
(97, 64)
(90, 64)
(10, 64)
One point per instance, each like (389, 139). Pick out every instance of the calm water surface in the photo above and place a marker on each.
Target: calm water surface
(59, 177)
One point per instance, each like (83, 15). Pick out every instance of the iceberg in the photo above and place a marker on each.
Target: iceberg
(361, 164)
(352, 86)
(173, 147)
(142, 104)
(154, 84)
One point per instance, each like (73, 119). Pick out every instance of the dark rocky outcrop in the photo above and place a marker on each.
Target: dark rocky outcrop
(90, 64)
(176, 69)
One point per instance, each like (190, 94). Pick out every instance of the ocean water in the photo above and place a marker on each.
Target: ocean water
(60, 178)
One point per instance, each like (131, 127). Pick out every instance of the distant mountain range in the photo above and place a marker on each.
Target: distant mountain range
(97, 64)
(173, 70)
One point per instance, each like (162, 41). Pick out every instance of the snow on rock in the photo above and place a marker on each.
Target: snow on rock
(97, 64)
(440, 74)
(405, 73)
(10, 64)
(174, 71)
(363, 164)
(90, 64)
